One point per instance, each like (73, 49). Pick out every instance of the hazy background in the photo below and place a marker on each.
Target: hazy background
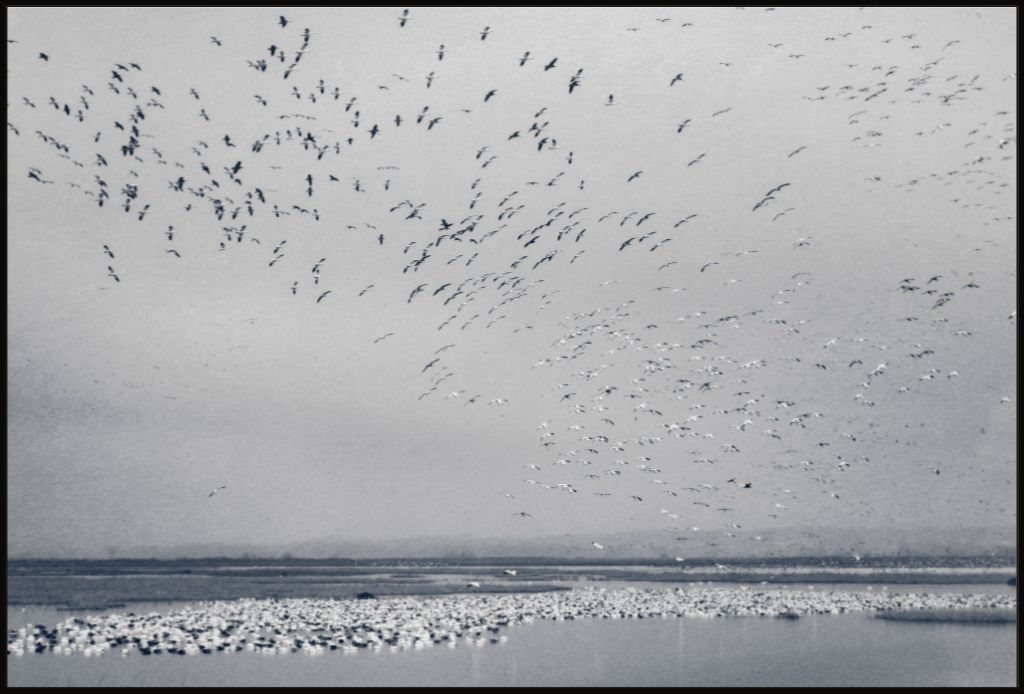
(129, 402)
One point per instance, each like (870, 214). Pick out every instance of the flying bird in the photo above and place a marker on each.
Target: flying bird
(415, 291)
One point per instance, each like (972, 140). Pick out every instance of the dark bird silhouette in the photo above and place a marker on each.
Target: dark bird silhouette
(321, 297)
(415, 291)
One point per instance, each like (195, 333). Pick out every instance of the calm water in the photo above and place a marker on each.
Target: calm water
(827, 650)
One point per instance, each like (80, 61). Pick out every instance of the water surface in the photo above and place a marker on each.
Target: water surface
(822, 650)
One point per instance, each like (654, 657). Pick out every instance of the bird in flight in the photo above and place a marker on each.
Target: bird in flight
(415, 291)
(215, 491)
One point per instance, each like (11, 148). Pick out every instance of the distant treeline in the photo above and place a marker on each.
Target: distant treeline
(129, 566)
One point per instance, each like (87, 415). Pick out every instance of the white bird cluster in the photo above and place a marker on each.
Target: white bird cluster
(315, 626)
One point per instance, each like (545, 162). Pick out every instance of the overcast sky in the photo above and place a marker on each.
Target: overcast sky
(130, 400)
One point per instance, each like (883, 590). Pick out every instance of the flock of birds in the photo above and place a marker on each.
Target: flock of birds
(647, 398)
(318, 626)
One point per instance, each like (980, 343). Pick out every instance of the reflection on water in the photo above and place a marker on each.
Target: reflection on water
(826, 650)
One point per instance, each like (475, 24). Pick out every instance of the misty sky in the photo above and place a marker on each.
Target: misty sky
(817, 359)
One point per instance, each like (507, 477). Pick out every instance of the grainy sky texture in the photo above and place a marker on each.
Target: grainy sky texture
(702, 249)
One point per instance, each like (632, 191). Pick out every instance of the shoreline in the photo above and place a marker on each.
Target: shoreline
(93, 586)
